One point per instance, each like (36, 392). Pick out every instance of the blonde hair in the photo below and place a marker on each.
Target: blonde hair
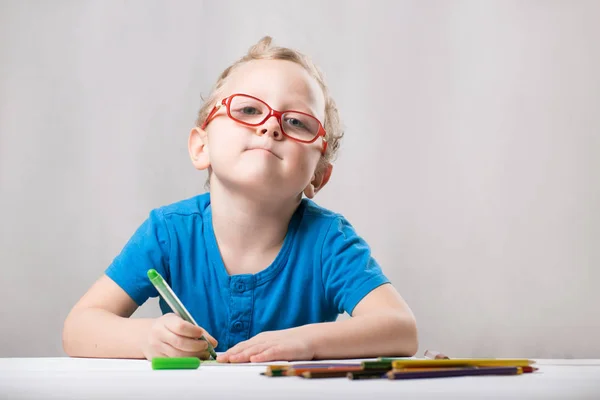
(264, 50)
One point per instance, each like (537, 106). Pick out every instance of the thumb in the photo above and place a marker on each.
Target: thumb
(211, 339)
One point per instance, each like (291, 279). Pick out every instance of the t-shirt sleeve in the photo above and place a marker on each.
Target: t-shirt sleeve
(349, 271)
(147, 248)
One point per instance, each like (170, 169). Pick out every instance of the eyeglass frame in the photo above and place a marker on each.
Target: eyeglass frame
(272, 113)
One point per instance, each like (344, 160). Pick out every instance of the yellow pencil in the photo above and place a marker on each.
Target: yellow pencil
(467, 362)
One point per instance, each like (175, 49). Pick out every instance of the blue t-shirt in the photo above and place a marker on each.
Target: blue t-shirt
(323, 269)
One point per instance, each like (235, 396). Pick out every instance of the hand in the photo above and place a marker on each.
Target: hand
(171, 336)
(289, 345)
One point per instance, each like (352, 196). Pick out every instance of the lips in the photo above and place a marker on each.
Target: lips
(264, 149)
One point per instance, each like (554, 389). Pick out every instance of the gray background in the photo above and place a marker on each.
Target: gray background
(470, 163)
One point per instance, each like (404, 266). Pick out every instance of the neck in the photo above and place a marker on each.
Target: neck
(243, 223)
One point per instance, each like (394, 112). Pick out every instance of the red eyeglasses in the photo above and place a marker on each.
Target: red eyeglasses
(251, 111)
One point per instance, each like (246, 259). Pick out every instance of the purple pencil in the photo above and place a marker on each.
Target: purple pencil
(450, 372)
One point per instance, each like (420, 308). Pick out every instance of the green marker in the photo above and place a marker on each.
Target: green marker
(171, 299)
(175, 363)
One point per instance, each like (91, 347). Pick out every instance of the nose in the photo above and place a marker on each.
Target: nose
(270, 127)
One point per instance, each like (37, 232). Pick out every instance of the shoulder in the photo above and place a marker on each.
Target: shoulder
(315, 213)
(330, 231)
(185, 215)
(321, 219)
(336, 235)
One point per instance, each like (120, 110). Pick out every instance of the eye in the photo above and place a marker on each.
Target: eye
(249, 110)
(296, 123)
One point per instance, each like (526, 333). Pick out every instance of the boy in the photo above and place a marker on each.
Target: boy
(263, 271)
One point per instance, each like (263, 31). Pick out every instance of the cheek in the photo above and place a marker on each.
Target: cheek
(224, 144)
(305, 162)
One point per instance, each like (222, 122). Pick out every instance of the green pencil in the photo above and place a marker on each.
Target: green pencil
(176, 305)
(368, 365)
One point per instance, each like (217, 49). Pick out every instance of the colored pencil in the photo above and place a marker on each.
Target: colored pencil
(300, 371)
(468, 362)
(528, 369)
(369, 374)
(340, 373)
(451, 372)
(377, 364)
(296, 369)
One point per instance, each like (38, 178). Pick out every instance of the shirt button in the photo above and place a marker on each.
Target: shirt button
(240, 287)
(238, 326)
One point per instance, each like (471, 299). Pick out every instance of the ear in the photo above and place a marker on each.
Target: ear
(198, 148)
(320, 179)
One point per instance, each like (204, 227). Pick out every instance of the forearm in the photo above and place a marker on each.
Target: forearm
(93, 332)
(364, 336)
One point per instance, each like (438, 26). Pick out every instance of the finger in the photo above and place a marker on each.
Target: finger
(169, 351)
(211, 339)
(242, 346)
(185, 344)
(245, 356)
(223, 358)
(155, 354)
(204, 355)
(183, 328)
(273, 353)
(238, 348)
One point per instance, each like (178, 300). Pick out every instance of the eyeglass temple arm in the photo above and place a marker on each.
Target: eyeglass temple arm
(212, 113)
(324, 146)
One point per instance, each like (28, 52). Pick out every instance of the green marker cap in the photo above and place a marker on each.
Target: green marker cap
(175, 362)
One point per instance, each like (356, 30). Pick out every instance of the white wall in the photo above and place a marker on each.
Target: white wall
(470, 163)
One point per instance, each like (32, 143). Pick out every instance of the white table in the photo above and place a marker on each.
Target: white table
(77, 378)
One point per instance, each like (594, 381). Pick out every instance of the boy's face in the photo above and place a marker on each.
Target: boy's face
(261, 160)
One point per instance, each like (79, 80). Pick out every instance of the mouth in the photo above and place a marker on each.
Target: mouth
(262, 149)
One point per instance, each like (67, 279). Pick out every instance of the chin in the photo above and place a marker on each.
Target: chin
(261, 175)
(261, 186)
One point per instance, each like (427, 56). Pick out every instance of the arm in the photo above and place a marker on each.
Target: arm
(99, 324)
(382, 324)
